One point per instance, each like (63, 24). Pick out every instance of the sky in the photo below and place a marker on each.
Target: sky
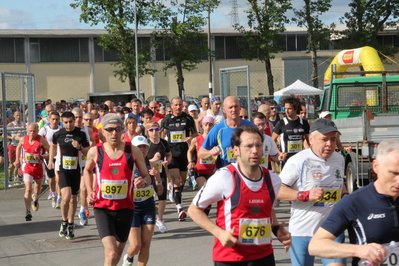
(58, 14)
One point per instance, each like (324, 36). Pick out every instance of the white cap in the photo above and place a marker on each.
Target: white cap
(324, 114)
(139, 140)
(192, 107)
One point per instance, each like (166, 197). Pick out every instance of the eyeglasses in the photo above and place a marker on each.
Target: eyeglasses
(274, 108)
(250, 146)
(243, 117)
(88, 119)
(153, 129)
(260, 125)
(112, 129)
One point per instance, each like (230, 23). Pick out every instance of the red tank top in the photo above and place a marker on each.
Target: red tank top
(250, 213)
(205, 167)
(268, 129)
(114, 190)
(31, 165)
(95, 135)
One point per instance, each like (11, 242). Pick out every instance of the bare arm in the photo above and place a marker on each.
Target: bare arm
(18, 153)
(46, 146)
(191, 149)
(289, 194)
(202, 220)
(154, 171)
(88, 175)
(306, 142)
(323, 244)
(52, 152)
(205, 154)
(140, 163)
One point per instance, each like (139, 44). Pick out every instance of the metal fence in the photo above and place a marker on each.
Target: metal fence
(18, 94)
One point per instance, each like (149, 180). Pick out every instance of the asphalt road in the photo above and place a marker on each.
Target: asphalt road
(37, 242)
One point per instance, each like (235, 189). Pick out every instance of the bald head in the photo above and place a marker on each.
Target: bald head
(231, 107)
(265, 109)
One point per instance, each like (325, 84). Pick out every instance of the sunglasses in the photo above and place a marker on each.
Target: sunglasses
(153, 129)
(274, 108)
(243, 117)
(88, 119)
(112, 129)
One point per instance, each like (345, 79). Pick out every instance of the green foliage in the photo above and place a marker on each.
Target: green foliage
(365, 19)
(179, 32)
(266, 22)
(118, 17)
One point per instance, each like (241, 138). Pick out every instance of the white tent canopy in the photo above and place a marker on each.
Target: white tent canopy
(298, 88)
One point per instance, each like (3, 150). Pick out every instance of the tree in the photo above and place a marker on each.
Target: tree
(179, 33)
(365, 19)
(118, 17)
(266, 21)
(317, 32)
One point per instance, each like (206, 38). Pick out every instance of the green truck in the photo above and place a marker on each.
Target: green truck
(366, 111)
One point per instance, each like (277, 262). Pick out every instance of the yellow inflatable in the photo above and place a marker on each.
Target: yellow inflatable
(364, 56)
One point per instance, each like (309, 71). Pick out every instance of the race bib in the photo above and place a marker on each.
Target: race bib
(114, 189)
(255, 231)
(264, 160)
(210, 160)
(294, 146)
(142, 194)
(159, 166)
(84, 158)
(230, 155)
(332, 194)
(177, 136)
(30, 158)
(70, 162)
(392, 258)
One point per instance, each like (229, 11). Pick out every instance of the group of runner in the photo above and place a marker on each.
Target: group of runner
(119, 159)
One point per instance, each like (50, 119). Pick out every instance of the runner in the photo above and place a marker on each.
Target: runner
(369, 214)
(243, 232)
(159, 153)
(313, 181)
(144, 211)
(203, 169)
(14, 136)
(292, 130)
(69, 143)
(32, 147)
(84, 212)
(180, 129)
(217, 142)
(131, 129)
(111, 191)
(47, 132)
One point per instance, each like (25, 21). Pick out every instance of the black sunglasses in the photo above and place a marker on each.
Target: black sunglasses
(111, 129)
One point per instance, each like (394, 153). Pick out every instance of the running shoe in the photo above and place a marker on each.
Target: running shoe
(170, 192)
(161, 226)
(50, 195)
(58, 203)
(53, 202)
(63, 229)
(182, 215)
(35, 203)
(28, 216)
(70, 234)
(126, 262)
(83, 218)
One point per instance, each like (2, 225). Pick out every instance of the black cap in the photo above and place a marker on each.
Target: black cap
(324, 126)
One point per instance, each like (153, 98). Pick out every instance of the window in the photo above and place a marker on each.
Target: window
(393, 94)
(12, 50)
(355, 96)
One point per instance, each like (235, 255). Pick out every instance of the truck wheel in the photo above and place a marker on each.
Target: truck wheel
(351, 178)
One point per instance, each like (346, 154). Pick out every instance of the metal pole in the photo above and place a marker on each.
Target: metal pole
(138, 95)
(210, 49)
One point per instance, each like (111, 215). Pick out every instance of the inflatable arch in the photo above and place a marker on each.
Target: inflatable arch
(364, 56)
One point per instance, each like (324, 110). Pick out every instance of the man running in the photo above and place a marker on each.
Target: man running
(245, 194)
(70, 142)
(180, 129)
(47, 132)
(32, 147)
(218, 141)
(111, 191)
